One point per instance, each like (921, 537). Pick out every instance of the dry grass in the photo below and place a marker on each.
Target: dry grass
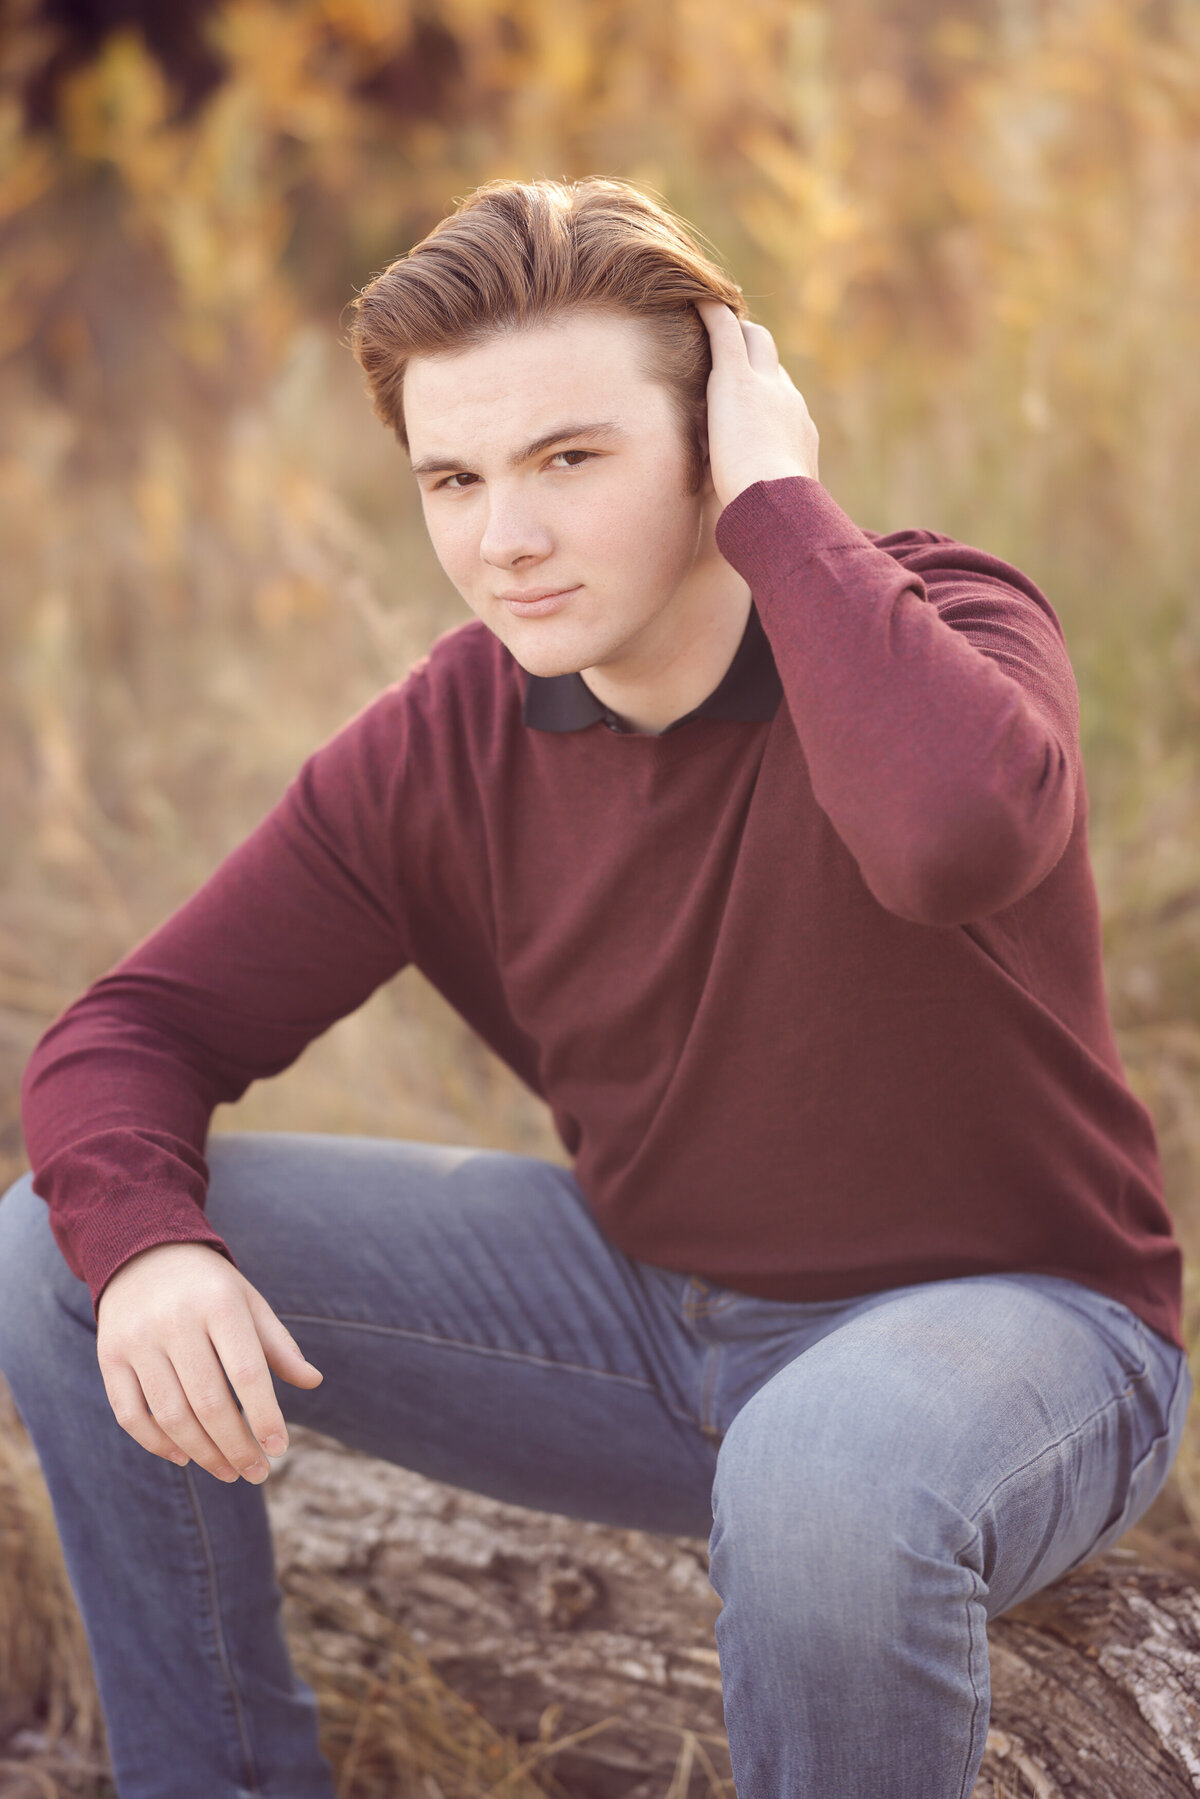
(46, 1684)
(406, 1734)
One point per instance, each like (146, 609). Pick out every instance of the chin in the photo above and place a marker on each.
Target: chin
(547, 664)
(540, 655)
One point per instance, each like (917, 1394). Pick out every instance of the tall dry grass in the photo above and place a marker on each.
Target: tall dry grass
(973, 234)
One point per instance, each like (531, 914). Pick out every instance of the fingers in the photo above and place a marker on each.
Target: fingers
(281, 1349)
(236, 1343)
(191, 1403)
(177, 1329)
(732, 336)
(129, 1408)
(149, 1403)
(723, 326)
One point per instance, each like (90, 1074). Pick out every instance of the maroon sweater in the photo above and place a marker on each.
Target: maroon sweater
(813, 989)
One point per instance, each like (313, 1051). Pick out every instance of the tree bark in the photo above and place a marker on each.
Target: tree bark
(552, 1629)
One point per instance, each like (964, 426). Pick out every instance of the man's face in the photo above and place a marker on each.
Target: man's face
(547, 461)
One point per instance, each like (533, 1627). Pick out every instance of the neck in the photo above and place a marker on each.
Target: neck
(683, 654)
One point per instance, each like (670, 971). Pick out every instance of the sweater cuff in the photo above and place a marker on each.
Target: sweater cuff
(105, 1240)
(773, 527)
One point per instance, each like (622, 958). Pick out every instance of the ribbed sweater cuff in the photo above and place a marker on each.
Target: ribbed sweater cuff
(104, 1239)
(774, 527)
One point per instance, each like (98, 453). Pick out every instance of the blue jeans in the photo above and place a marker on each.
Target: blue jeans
(880, 1475)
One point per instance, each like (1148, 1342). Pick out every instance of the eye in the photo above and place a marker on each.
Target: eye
(464, 475)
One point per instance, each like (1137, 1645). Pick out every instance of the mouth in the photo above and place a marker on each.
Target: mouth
(541, 605)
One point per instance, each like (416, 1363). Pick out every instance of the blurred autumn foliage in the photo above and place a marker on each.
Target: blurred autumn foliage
(972, 228)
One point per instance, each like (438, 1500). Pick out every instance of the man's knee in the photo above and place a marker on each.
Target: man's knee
(812, 1510)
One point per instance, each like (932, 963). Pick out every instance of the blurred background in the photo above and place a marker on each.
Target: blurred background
(972, 229)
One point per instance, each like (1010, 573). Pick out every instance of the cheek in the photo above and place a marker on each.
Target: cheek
(657, 540)
(453, 541)
(652, 530)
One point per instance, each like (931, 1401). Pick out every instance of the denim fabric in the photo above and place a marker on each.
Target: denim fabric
(877, 1476)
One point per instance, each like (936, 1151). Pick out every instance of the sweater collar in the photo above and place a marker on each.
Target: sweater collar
(750, 689)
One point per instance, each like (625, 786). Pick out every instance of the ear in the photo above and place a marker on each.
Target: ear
(701, 425)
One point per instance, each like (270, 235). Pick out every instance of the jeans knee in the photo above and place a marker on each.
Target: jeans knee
(806, 1514)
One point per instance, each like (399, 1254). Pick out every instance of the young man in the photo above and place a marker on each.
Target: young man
(755, 842)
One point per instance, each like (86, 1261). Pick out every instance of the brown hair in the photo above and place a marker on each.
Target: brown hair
(520, 253)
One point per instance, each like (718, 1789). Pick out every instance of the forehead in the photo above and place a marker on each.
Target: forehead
(508, 385)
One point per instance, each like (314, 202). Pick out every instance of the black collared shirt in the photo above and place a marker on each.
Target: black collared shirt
(750, 689)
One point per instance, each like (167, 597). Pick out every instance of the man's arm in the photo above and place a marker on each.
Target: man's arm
(293, 931)
(932, 694)
(931, 690)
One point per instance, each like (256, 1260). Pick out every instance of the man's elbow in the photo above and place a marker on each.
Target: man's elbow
(969, 874)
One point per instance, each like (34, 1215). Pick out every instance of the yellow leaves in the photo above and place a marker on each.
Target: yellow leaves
(875, 189)
(795, 175)
(568, 53)
(470, 18)
(225, 222)
(275, 52)
(284, 600)
(162, 500)
(26, 168)
(115, 110)
(819, 207)
(880, 94)
(958, 39)
(375, 24)
(1016, 311)
(207, 194)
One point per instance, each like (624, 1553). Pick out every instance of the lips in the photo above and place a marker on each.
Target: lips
(537, 603)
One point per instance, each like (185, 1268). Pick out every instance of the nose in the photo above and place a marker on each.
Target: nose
(512, 531)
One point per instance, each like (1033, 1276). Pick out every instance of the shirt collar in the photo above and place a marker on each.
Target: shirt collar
(749, 690)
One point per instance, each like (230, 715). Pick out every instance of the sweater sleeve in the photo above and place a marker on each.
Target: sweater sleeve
(932, 693)
(293, 931)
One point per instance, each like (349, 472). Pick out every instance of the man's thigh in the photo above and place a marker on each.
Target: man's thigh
(471, 1323)
(1010, 1424)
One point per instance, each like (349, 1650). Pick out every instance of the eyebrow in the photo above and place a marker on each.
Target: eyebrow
(440, 463)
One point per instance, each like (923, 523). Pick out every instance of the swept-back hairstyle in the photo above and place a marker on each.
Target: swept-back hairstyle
(518, 253)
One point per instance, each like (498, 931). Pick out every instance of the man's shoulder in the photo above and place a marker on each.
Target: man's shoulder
(465, 672)
(957, 574)
(921, 549)
(465, 654)
(902, 544)
(442, 719)
(458, 699)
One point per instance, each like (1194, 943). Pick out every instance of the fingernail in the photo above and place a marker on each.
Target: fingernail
(274, 1444)
(258, 1473)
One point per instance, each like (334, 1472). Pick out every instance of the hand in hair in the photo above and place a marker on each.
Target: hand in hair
(759, 428)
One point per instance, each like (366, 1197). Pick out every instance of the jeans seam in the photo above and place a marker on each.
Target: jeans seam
(708, 1387)
(219, 1633)
(706, 1308)
(509, 1355)
(1048, 1448)
(965, 1790)
(1164, 1436)
(974, 1517)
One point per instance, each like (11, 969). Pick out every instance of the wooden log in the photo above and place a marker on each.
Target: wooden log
(1096, 1684)
(551, 1628)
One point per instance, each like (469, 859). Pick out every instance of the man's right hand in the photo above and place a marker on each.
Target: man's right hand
(173, 1322)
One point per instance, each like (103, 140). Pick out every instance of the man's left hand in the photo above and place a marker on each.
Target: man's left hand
(759, 428)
